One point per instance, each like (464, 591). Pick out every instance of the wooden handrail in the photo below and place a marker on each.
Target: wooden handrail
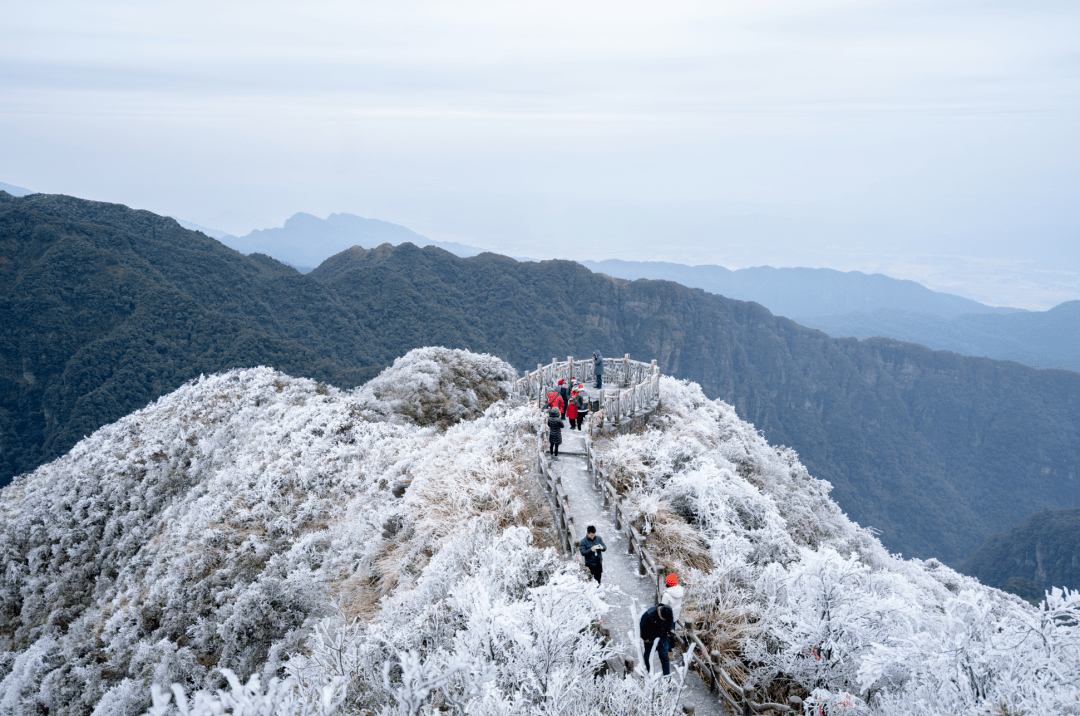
(639, 394)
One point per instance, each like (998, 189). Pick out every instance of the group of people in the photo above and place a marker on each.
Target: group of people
(565, 404)
(657, 624)
(571, 404)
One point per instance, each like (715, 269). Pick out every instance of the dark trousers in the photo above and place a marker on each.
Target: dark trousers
(575, 423)
(555, 448)
(600, 381)
(597, 570)
(662, 647)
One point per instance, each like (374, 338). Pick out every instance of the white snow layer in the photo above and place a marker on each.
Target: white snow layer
(243, 531)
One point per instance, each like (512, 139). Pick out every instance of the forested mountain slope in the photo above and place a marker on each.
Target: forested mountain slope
(931, 447)
(105, 308)
(1043, 339)
(1041, 552)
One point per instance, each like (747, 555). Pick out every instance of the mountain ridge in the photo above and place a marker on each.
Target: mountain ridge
(798, 291)
(936, 449)
(306, 241)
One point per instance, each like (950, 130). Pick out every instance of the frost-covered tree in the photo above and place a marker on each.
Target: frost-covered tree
(800, 600)
(258, 544)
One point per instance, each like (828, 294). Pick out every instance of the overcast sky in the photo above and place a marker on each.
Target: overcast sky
(931, 140)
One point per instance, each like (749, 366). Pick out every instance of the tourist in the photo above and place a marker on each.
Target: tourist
(673, 596)
(655, 626)
(592, 550)
(575, 410)
(598, 369)
(564, 393)
(555, 426)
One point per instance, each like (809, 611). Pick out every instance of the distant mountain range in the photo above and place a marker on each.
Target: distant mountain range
(840, 303)
(1041, 339)
(14, 190)
(306, 241)
(1040, 553)
(854, 304)
(105, 308)
(801, 292)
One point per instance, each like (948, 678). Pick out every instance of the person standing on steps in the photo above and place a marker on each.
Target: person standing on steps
(574, 410)
(556, 401)
(592, 550)
(555, 432)
(583, 407)
(654, 628)
(598, 369)
(564, 393)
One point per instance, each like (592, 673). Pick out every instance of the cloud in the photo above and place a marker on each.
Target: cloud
(537, 125)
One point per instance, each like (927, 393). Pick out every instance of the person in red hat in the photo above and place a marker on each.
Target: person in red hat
(673, 596)
(564, 393)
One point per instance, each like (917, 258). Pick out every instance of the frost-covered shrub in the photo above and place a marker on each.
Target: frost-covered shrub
(800, 600)
(250, 529)
(213, 528)
(250, 699)
(441, 386)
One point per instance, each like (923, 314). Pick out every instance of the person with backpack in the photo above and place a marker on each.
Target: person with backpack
(598, 369)
(564, 393)
(555, 426)
(592, 551)
(654, 628)
(555, 401)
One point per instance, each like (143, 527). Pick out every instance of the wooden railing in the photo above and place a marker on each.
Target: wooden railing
(569, 536)
(638, 385)
(638, 397)
(737, 697)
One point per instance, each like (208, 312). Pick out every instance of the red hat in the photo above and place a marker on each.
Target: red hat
(561, 381)
(672, 580)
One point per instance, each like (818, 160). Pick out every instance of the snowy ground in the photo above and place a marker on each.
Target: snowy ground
(636, 593)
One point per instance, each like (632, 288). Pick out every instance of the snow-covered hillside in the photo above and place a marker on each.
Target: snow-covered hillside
(387, 550)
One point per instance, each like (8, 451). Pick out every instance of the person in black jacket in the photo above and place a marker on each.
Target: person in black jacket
(564, 393)
(655, 626)
(555, 430)
(598, 369)
(592, 550)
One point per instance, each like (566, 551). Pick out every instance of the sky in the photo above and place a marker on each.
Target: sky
(931, 140)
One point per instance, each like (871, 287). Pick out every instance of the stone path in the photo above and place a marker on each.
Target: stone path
(620, 567)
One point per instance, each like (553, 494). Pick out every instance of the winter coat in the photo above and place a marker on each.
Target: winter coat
(555, 401)
(673, 597)
(555, 426)
(597, 364)
(564, 393)
(652, 626)
(573, 406)
(591, 557)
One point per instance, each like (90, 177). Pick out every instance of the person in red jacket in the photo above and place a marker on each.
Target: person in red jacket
(555, 401)
(574, 410)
